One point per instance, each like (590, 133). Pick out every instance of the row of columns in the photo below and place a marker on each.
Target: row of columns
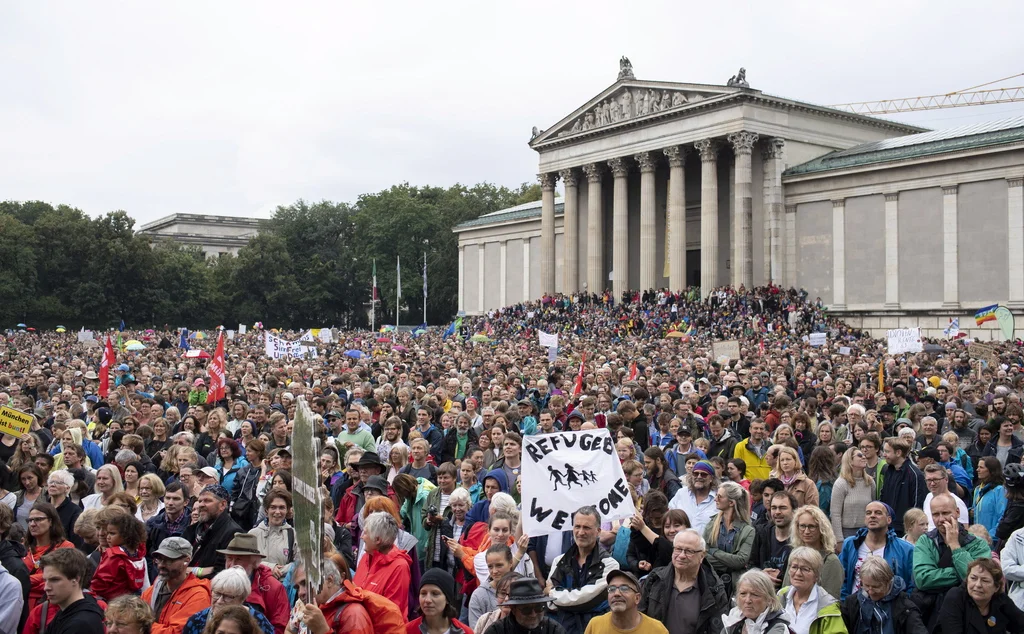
(742, 143)
(950, 247)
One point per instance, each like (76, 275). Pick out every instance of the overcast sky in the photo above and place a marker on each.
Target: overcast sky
(236, 107)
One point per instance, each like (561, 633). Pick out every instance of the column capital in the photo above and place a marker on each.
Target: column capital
(773, 148)
(708, 149)
(570, 177)
(647, 161)
(619, 166)
(790, 209)
(676, 155)
(594, 172)
(949, 190)
(893, 197)
(547, 180)
(1017, 181)
(838, 202)
(743, 141)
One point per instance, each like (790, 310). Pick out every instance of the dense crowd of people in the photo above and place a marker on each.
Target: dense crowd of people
(802, 488)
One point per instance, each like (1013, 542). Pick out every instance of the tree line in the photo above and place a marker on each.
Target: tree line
(309, 265)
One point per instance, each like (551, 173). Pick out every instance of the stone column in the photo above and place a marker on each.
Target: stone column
(892, 251)
(950, 249)
(676, 217)
(595, 229)
(571, 232)
(790, 246)
(526, 270)
(1015, 235)
(774, 252)
(462, 278)
(648, 241)
(503, 286)
(708, 149)
(620, 228)
(839, 254)
(743, 217)
(482, 277)
(547, 232)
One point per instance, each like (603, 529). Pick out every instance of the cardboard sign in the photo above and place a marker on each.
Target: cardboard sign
(13, 422)
(727, 349)
(904, 340)
(983, 351)
(565, 471)
(817, 339)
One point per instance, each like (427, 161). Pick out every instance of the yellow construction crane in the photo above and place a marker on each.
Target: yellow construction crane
(956, 99)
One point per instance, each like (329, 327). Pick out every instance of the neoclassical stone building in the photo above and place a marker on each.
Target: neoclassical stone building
(674, 184)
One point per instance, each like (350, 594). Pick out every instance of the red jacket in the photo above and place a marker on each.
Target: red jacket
(414, 626)
(119, 573)
(347, 506)
(345, 615)
(271, 597)
(192, 596)
(35, 617)
(35, 574)
(388, 574)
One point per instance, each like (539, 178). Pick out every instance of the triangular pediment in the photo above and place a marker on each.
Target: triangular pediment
(627, 102)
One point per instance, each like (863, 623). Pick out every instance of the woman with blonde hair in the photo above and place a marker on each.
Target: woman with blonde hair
(852, 491)
(151, 493)
(758, 609)
(811, 528)
(788, 470)
(807, 604)
(108, 482)
(398, 457)
(729, 534)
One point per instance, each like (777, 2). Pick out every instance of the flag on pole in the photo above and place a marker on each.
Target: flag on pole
(577, 388)
(952, 331)
(375, 291)
(183, 341)
(121, 327)
(633, 372)
(424, 275)
(216, 390)
(987, 313)
(105, 365)
(120, 343)
(398, 278)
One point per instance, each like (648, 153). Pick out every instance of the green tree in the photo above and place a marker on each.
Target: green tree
(18, 262)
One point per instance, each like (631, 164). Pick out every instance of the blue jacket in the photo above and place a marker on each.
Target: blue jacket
(989, 504)
(757, 397)
(959, 474)
(676, 466)
(92, 450)
(481, 510)
(899, 554)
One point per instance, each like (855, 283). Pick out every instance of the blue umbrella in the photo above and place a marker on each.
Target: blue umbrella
(355, 354)
(21, 326)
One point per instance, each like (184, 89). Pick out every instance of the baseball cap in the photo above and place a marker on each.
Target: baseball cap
(174, 548)
(209, 472)
(618, 572)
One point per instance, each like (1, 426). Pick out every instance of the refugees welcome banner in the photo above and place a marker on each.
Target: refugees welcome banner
(564, 471)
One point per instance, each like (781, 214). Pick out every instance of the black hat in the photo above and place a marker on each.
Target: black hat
(377, 483)
(930, 452)
(371, 459)
(525, 591)
(443, 580)
(887, 409)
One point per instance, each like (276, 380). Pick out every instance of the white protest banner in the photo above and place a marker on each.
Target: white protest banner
(278, 348)
(530, 314)
(547, 340)
(564, 471)
(231, 334)
(84, 335)
(904, 340)
(326, 336)
(727, 349)
(817, 339)
(845, 350)
(241, 329)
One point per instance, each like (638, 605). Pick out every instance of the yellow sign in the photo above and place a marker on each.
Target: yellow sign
(13, 422)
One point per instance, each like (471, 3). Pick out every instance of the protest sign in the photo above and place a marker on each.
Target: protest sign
(85, 335)
(983, 351)
(278, 348)
(309, 525)
(845, 350)
(13, 422)
(552, 354)
(728, 349)
(817, 339)
(565, 471)
(904, 340)
(547, 340)
(241, 329)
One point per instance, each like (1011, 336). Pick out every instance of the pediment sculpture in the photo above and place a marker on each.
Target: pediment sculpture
(629, 104)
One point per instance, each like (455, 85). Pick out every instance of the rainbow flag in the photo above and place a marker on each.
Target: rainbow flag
(987, 313)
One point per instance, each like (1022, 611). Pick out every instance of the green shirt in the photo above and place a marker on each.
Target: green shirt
(361, 438)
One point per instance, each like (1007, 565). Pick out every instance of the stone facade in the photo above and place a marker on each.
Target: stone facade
(213, 234)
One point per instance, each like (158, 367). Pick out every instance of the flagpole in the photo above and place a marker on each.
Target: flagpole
(398, 290)
(373, 298)
(424, 287)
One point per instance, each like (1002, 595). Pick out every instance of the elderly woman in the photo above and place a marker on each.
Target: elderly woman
(812, 529)
(228, 588)
(980, 604)
(151, 493)
(108, 482)
(788, 470)
(882, 605)
(384, 569)
(128, 614)
(808, 606)
(729, 535)
(758, 609)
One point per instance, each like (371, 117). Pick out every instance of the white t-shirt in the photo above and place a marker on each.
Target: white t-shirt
(959, 504)
(863, 553)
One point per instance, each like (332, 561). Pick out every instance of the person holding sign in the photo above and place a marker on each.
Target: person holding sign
(577, 584)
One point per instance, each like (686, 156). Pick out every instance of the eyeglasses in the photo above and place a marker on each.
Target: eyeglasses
(686, 551)
(623, 589)
(807, 527)
(220, 596)
(534, 608)
(36, 520)
(802, 569)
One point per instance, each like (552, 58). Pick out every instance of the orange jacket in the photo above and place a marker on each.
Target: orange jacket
(192, 596)
(345, 613)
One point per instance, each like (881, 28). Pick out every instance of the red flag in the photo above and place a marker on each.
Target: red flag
(633, 372)
(216, 391)
(577, 388)
(105, 365)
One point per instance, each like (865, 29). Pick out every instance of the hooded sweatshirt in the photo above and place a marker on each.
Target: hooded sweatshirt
(387, 574)
(481, 511)
(81, 617)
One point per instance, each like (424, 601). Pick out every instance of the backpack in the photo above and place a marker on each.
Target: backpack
(384, 614)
